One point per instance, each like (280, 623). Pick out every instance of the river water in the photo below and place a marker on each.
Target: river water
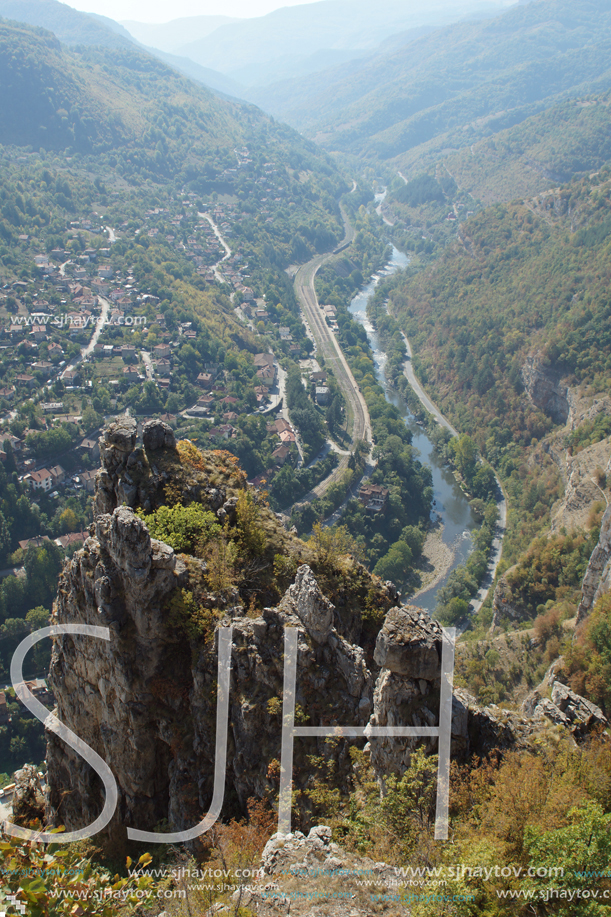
(450, 505)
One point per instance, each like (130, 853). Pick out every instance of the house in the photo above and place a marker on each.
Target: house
(41, 480)
(161, 350)
(25, 379)
(287, 436)
(322, 394)
(263, 359)
(16, 444)
(319, 378)
(66, 541)
(374, 497)
(52, 407)
(281, 453)
(205, 380)
(72, 378)
(225, 430)
(130, 374)
(89, 447)
(39, 688)
(8, 392)
(163, 366)
(87, 479)
(36, 542)
(58, 474)
(105, 271)
(279, 426)
(128, 352)
(267, 374)
(39, 333)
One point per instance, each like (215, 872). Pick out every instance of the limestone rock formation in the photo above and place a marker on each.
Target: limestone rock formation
(305, 599)
(145, 700)
(597, 579)
(333, 875)
(28, 797)
(545, 388)
(505, 605)
(409, 644)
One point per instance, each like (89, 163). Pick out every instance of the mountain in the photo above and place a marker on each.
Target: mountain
(454, 86)
(212, 79)
(93, 99)
(547, 149)
(69, 25)
(255, 51)
(169, 36)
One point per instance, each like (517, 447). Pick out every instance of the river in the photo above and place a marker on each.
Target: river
(450, 508)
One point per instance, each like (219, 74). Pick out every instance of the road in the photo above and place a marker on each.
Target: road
(227, 254)
(431, 407)
(328, 348)
(148, 363)
(101, 322)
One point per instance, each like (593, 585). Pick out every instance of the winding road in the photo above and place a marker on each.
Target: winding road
(217, 233)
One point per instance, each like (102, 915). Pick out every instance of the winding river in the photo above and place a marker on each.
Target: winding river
(450, 508)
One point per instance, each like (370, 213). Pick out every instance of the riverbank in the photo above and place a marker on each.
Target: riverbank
(497, 545)
(435, 561)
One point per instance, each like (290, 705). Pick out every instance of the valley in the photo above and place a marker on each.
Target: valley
(338, 364)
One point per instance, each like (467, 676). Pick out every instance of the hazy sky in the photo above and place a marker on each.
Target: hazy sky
(161, 11)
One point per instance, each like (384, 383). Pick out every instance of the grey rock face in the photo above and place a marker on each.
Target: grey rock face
(547, 708)
(545, 388)
(28, 797)
(409, 644)
(305, 599)
(114, 484)
(597, 580)
(580, 712)
(158, 435)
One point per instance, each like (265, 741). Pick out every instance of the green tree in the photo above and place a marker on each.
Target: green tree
(395, 564)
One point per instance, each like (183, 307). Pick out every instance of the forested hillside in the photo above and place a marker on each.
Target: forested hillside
(522, 278)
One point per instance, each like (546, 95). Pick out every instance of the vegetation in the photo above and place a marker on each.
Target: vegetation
(187, 529)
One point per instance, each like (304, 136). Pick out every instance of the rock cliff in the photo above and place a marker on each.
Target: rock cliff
(545, 388)
(597, 579)
(145, 701)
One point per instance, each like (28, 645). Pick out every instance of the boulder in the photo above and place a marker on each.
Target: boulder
(409, 644)
(158, 435)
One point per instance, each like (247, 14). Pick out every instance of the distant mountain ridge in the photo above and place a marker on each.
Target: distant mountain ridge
(255, 51)
(69, 25)
(453, 86)
(171, 36)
